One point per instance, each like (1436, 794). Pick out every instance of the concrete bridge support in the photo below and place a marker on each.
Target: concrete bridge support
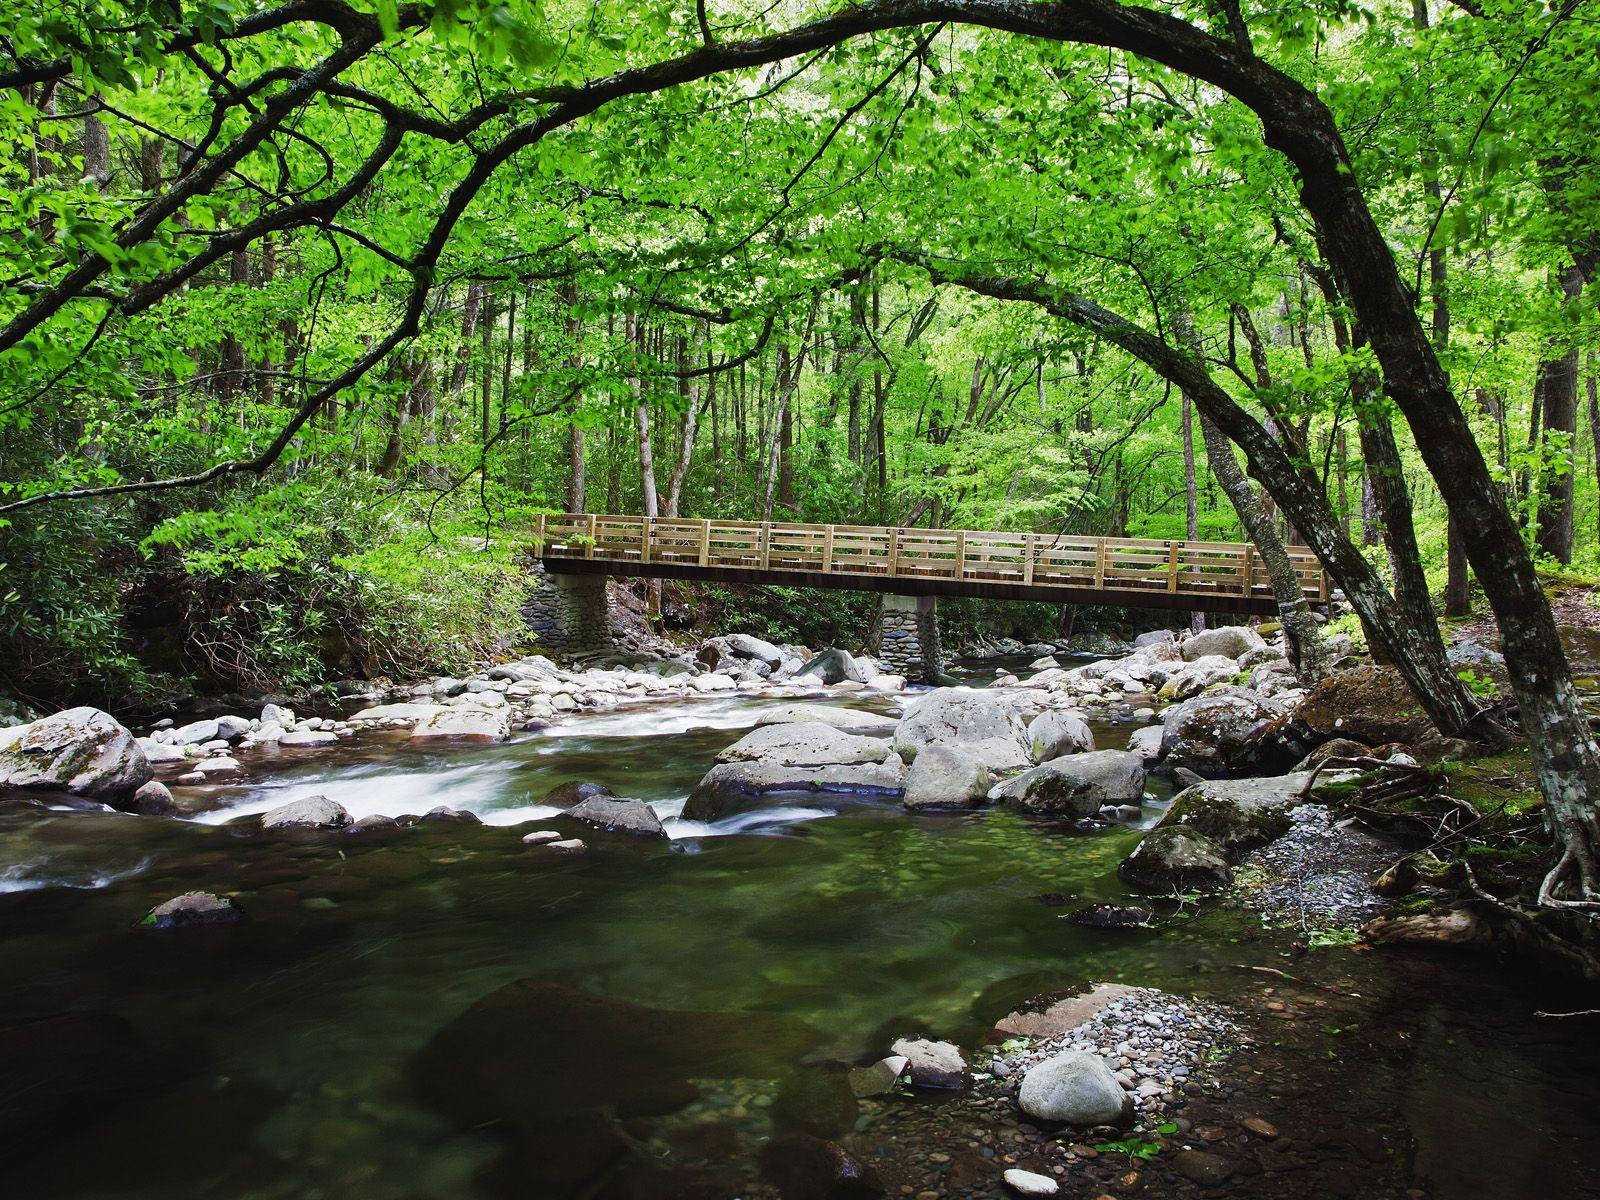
(908, 638)
(569, 614)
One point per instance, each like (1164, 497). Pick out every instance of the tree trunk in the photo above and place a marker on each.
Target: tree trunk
(1191, 498)
(691, 420)
(1558, 393)
(577, 484)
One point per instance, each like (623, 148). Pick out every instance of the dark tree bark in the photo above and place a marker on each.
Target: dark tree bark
(1558, 395)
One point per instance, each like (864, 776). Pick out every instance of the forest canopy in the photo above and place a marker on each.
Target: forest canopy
(309, 307)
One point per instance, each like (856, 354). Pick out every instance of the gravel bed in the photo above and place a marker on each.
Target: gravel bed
(1319, 875)
(1160, 1046)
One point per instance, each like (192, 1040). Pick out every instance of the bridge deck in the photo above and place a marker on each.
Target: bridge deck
(1137, 572)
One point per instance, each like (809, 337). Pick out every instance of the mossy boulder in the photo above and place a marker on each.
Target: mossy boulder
(1176, 858)
(1239, 814)
(1372, 705)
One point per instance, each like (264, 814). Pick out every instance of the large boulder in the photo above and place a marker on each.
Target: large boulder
(1366, 704)
(805, 744)
(847, 720)
(1076, 785)
(1053, 733)
(1146, 743)
(732, 787)
(465, 723)
(1076, 1088)
(312, 812)
(946, 777)
(1239, 814)
(1176, 858)
(410, 711)
(1230, 641)
(744, 645)
(575, 791)
(835, 666)
(619, 816)
(81, 750)
(1155, 637)
(1218, 731)
(980, 724)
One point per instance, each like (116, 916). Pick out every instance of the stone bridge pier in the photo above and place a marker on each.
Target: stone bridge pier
(569, 614)
(908, 638)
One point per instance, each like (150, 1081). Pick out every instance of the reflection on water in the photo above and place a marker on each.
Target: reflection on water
(440, 1011)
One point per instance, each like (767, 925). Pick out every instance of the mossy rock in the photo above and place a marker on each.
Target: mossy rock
(1240, 814)
(1365, 704)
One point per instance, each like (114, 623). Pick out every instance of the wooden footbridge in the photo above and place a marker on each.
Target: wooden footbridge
(1057, 569)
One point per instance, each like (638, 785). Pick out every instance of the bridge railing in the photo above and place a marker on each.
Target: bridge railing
(1105, 564)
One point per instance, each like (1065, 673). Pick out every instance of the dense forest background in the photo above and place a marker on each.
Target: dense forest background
(355, 357)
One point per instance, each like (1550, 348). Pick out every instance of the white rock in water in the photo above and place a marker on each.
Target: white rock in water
(946, 777)
(82, 750)
(277, 712)
(313, 812)
(477, 724)
(1076, 1088)
(932, 1064)
(157, 753)
(1027, 1183)
(308, 737)
(805, 743)
(220, 765)
(542, 837)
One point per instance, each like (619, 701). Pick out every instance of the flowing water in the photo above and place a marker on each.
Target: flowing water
(440, 1012)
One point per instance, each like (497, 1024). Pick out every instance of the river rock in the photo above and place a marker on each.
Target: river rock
(192, 909)
(805, 744)
(161, 753)
(730, 787)
(946, 777)
(1202, 1167)
(231, 729)
(195, 733)
(372, 823)
(1054, 733)
(746, 645)
(466, 724)
(979, 723)
(410, 711)
(1076, 1088)
(308, 739)
(1337, 748)
(846, 720)
(1217, 731)
(1076, 785)
(878, 1079)
(1156, 637)
(1238, 814)
(541, 837)
(1030, 1183)
(312, 812)
(1229, 641)
(1176, 858)
(153, 799)
(1111, 916)
(444, 814)
(1193, 678)
(633, 817)
(931, 1064)
(277, 713)
(79, 750)
(1146, 743)
(574, 791)
(1367, 704)
(835, 666)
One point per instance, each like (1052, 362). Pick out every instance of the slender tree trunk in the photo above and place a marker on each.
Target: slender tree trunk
(1558, 393)
(1191, 497)
(1593, 386)
(577, 490)
(687, 432)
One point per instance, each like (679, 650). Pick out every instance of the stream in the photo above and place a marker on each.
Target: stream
(438, 1011)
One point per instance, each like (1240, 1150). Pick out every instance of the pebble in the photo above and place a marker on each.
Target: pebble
(1027, 1183)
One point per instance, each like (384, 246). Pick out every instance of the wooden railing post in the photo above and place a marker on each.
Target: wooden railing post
(765, 544)
(1100, 564)
(894, 551)
(705, 543)
(827, 549)
(1027, 558)
(1249, 568)
(538, 533)
(961, 554)
(594, 535)
(1174, 549)
(644, 538)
